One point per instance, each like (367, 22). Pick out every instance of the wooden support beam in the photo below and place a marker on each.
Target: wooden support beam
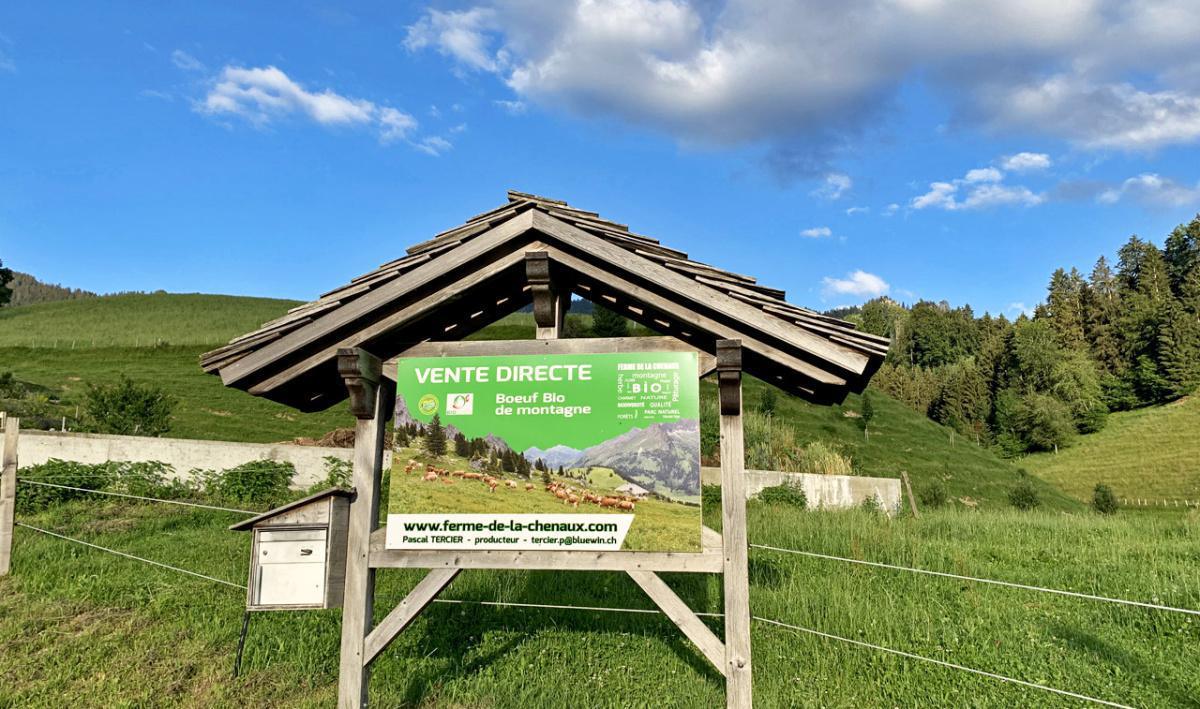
(358, 368)
(8, 490)
(408, 610)
(674, 608)
(738, 694)
(550, 302)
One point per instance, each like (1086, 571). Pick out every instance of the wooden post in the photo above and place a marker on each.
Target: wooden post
(363, 374)
(8, 490)
(738, 694)
(549, 304)
(912, 501)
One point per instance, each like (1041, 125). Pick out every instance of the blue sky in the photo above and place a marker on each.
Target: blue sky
(917, 148)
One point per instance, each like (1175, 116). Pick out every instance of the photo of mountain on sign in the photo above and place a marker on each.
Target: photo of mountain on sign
(595, 451)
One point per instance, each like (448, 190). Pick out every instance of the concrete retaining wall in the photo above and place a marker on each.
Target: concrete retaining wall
(822, 491)
(182, 454)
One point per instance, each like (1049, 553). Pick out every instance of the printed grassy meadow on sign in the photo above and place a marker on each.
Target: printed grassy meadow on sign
(549, 452)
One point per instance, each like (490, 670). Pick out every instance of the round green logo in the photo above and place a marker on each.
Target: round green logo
(428, 405)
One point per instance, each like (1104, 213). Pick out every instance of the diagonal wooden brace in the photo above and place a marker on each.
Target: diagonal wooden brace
(673, 606)
(408, 610)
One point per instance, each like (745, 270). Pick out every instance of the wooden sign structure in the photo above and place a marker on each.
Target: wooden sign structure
(541, 251)
(372, 401)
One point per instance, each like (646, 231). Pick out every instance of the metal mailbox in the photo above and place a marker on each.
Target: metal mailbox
(298, 553)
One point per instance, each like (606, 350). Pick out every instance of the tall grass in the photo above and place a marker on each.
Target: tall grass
(80, 626)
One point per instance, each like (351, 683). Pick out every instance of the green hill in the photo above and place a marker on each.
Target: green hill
(901, 440)
(137, 319)
(1151, 453)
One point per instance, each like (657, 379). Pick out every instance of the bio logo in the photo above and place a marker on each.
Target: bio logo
(428, 405)
(459, 404)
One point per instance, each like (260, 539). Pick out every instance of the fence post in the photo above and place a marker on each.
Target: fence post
(8, 490)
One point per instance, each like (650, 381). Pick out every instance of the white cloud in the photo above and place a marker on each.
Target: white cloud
(185, 61)
(1020, 308)
(462, 35)
(817, 232)
(978, 189)
(266, 94)
(1152, 190)
(6, 61)
(513, 108)
(983, 174)
(835, 185)
(433, 145)
(860, 283)
(857, 210)
(891, 209)
(1026, 161)
(1095, 115)
(790, 77)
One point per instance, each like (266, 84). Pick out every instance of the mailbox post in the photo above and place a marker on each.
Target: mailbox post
(298, 553)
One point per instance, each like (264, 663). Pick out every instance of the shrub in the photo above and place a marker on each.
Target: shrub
(338, 473)
(34, 498)
(127, 408)
(768, 401)
(821, 458)
(788, 494)
(1103, 500)
(934, 495)
(872, 505)
(710, 495)
(1024, 496)
(259, 482)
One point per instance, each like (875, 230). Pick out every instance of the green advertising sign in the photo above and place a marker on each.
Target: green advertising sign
(573, 451)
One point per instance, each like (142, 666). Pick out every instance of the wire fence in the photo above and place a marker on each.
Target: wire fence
(1150, 502)
(640, 611)
(976, 579)
(136, 497)
(645, 611)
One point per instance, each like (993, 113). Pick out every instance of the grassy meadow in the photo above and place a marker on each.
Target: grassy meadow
(137, 319)
(82, 627)
(658, 525)
(1148, 453)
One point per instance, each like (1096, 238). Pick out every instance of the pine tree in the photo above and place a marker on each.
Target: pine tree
(1102, 309)
(401, 437)
(606, 323)
(6, 275)
(1064, 308)
(1145, 305)
(1182, 252)
(435, 438)
(461, 447)
(868, 413)
(492, 461)
(1179, 352)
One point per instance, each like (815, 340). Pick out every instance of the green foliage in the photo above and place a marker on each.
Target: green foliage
(710, 497)
(787, 494)
(339, 473)
(259, 482)
(462, 448)
(1043, 423)
(867, 414)
(1103, 500)
(6, 277)
(768, 401)
(1023, 496)
(27, 290)
(934, 494)
(575, 326)
(606, 323)
(435, 437)
(872, 505)
(937, 334)
(10, 388)
(127, 408)
(32, 498)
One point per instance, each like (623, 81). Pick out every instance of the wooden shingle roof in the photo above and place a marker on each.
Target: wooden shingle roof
(467, 277)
